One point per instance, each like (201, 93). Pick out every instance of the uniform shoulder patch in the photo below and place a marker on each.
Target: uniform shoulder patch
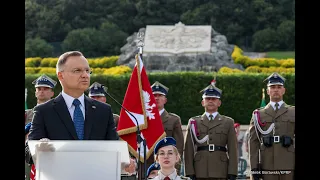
(173, 114)
(227, 117)
(196, 117)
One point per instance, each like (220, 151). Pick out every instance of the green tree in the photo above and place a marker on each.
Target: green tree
(37, 48)
(86, 40)
(265, 40)
(286, 35)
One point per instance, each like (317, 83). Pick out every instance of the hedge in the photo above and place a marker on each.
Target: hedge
(241, 92)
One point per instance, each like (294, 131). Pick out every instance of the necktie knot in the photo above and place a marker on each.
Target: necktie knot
(76, 102)
(211, 117)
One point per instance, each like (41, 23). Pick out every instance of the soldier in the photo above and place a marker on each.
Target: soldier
(97, 92)
(153, 170)
(166, 154)
(271, 136)
(210, 150)
(171, 122)
(44, 91)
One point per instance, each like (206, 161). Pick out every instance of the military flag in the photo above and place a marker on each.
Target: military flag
(140, 102)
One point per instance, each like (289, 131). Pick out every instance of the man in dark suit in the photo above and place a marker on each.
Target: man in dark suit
(72, 115)
(97, 92)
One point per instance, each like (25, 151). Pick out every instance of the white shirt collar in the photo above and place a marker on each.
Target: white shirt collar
(173, 175)
(214, 115)
(161, 111)
(273, 104)
(69, 99)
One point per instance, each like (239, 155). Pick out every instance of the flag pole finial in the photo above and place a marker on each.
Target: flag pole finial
(140, 43)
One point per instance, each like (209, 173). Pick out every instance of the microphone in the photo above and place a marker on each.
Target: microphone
(139, 138)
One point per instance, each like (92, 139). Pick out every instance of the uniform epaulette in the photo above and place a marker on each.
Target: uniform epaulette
(173, 114)
(183, 177)
(195, 117)
(227, 117)
(260, 108)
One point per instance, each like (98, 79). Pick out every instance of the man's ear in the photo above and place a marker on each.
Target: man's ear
(60, 75)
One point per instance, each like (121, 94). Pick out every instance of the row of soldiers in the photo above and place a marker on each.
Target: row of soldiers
(209, 148)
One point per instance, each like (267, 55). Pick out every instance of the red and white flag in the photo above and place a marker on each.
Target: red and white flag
(140, 102)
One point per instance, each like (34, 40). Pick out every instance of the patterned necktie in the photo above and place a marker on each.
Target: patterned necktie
(166, 178)
(78, 119)
(211, 117)
(277, 107)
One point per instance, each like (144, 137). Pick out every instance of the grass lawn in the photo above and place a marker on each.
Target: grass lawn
(280, 54)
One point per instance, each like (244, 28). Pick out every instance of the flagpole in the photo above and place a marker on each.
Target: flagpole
(140, 44)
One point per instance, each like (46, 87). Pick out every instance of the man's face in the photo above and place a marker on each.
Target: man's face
(75, 74)
(99, 98)
(44, 94)
(211, 104)
(160, 100)
(276, 92)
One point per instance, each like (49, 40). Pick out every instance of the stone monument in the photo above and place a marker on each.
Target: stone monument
(179, 48)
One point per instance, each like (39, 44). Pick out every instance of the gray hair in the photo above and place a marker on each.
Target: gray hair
(63, 59)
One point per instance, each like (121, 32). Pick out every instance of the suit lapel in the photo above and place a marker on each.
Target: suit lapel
(61, 109)
(164, 116)
(90, 108)
(269, 110)
(205, 120)
(215, 122)
(281, 110)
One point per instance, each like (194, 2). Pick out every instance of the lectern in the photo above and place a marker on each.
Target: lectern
(80, 159)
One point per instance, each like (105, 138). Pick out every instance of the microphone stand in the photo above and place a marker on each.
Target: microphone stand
(139, 138)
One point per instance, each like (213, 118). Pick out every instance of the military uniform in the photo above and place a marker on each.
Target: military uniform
(276, 131)
(97, 89)
(42, 81)
(174, 175)
(210, 150)
(171, 122)
(29, 115)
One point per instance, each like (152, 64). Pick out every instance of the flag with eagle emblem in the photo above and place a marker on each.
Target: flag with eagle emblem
(141, 104)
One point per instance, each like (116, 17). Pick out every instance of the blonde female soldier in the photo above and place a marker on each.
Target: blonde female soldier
(167, 156)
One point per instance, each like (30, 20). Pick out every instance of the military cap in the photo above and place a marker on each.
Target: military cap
(44, 81)
(27, 128)
(275, 79)
(164, 142)
(211, 91)
(96, 89)
(154, 166)
(158, 88)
